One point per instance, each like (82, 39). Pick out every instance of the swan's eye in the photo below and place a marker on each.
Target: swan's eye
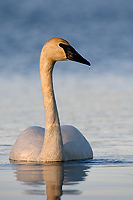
(69, 50)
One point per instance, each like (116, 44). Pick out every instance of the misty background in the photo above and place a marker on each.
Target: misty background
(102, 31)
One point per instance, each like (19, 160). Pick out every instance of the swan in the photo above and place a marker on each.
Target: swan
(55, 142)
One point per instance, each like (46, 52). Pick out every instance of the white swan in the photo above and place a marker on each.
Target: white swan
(55, 142)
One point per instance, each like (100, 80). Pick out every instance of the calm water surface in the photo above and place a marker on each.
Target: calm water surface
(98, 102)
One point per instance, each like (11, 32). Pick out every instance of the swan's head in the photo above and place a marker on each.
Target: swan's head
(59, 49)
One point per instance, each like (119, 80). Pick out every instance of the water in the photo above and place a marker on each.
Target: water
(98, 102)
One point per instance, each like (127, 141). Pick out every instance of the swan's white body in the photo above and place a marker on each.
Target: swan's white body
(55, 142)
(30, 143)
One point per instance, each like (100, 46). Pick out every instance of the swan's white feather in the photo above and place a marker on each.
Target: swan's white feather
(29, 144)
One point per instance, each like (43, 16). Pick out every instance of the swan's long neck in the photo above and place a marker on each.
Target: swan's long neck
(53, 146)
(51, 113)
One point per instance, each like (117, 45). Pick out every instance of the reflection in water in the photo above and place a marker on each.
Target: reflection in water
(54, 175)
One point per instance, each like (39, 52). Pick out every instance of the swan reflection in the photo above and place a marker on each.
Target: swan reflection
(53, 175)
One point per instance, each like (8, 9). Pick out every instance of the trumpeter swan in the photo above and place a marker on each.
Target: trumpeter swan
(55, 142)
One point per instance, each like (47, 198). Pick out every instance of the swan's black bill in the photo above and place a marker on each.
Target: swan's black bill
(72, 54)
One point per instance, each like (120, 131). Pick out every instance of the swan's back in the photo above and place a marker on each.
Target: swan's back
(75, 144)
(29, 144)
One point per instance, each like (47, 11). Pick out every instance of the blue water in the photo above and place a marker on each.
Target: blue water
(98, 102)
